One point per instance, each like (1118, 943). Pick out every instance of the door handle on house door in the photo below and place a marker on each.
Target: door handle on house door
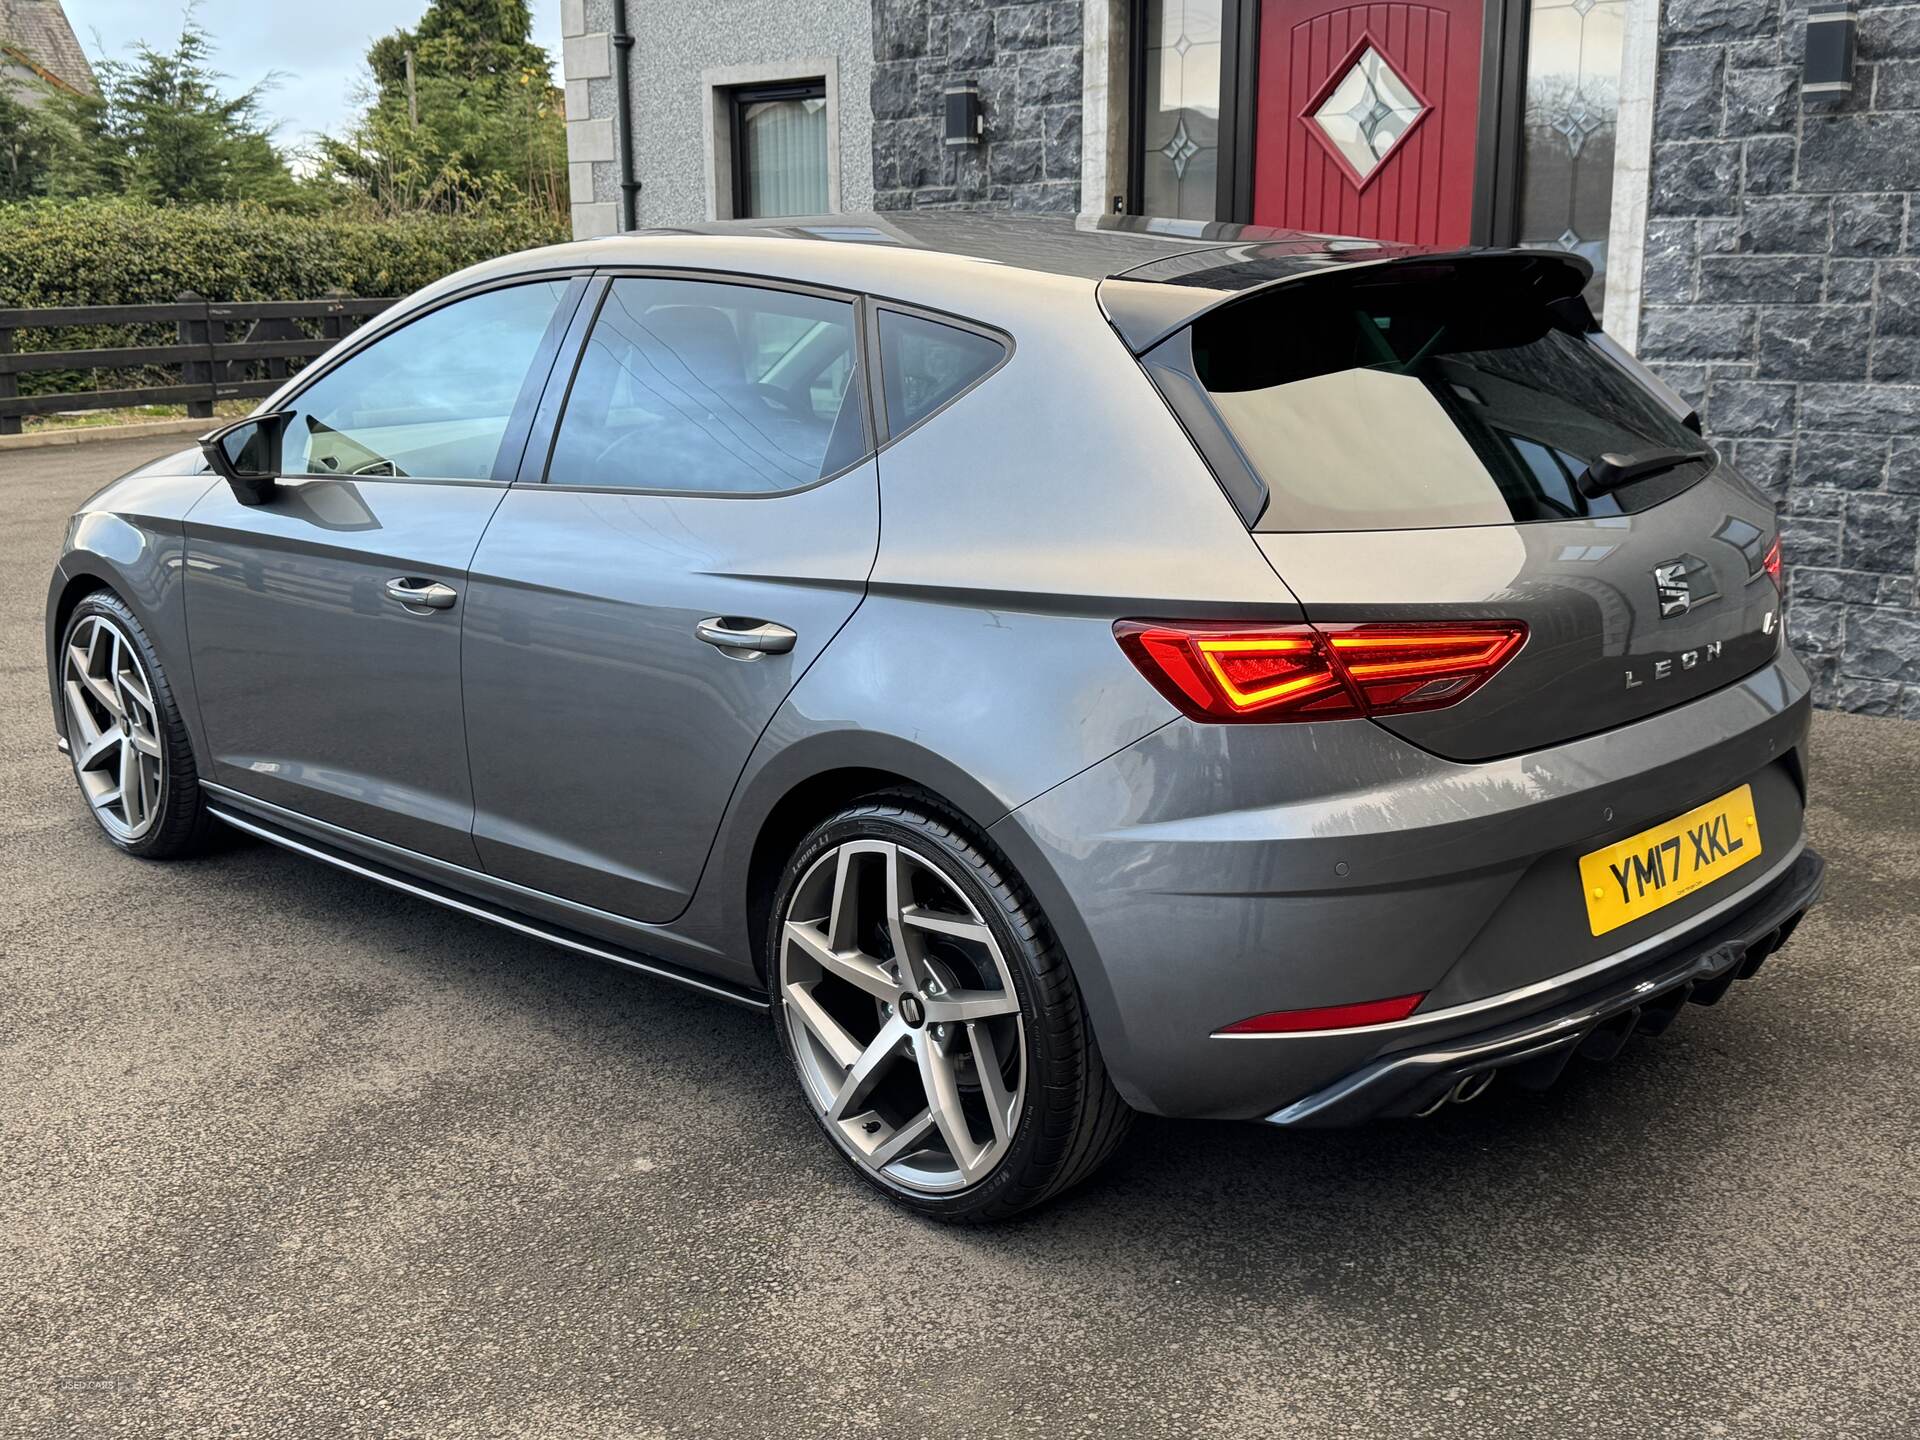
(744, 639)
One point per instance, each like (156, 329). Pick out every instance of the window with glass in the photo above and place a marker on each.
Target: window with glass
(430, 400)
(701, 387)
(1469, 394)
(1180, 96)
(1571, 112)
(926, 364)
(780, 150)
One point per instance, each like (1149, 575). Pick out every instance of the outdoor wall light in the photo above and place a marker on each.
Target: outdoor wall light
(1831, 30)
(965, 123)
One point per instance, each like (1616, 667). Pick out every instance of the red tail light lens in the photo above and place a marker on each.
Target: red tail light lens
(1224, 671)
(1772, 563)
(1327, 1017)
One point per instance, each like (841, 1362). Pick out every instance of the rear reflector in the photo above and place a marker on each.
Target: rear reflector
(1224, 671)
(1329, 1017)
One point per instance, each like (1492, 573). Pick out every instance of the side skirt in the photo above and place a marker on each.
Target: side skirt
(221, 807)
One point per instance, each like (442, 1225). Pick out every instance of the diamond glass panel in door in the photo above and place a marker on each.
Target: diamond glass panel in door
(1572, 106)
(1179, 171)
(784, 150)
(1368, 112)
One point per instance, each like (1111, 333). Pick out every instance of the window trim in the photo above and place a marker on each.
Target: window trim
(520, 420)
(738, 97)
(553, 403)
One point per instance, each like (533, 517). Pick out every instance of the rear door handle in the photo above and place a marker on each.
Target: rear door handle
(422, 595)
(744, 639)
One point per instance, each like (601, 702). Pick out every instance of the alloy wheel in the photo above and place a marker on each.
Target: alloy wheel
(113, 728)
(903, 1016)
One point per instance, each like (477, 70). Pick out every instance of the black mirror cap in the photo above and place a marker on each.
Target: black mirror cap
(246, 454)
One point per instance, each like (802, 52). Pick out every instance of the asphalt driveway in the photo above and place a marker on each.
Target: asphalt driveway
(282, 1152)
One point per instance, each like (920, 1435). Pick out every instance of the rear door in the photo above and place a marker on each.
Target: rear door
(325, 623)
(701, 525)
(1423, 429)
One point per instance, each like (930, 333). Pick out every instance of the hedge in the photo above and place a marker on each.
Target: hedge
(121, 252)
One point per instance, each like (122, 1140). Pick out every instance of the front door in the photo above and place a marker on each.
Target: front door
(644, 601)
(1368, 118)
(325, 623)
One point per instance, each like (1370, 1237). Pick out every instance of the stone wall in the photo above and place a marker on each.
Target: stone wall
(1782, 295)
(1025, 57)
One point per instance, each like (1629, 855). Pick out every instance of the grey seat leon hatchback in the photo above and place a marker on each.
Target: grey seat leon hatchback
(1057, 673)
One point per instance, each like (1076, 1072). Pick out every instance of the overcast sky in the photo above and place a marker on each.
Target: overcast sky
(319, 49)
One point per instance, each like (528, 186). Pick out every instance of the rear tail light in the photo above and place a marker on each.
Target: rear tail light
(1772, 563)
(1326, 1017)
(1223, 671)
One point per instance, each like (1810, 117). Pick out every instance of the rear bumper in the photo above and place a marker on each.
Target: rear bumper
(1532, 1050)
(1209, 873)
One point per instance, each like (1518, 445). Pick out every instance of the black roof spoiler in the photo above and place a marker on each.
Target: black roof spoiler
(1152, 301)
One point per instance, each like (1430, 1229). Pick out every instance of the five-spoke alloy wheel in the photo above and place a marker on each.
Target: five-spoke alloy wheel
(130, 750)
(113, 728)
(932, 1021)
(904, 1018)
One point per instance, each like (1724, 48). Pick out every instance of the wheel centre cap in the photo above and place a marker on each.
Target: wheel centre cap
(912, 1011)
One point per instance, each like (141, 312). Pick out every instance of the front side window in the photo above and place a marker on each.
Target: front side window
(926, 364)
(1448, 395)
(699, 387)
(780, 150)
(431, 400)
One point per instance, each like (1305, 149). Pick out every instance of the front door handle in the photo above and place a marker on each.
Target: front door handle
(744, 639)
(422, 595)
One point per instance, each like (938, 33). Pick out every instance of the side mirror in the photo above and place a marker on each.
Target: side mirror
(246, 454)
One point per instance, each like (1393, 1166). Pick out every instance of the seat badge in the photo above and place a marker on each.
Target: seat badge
(1676, 595)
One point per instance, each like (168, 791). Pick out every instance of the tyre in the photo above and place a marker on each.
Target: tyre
(124, 734)
(935, 1028)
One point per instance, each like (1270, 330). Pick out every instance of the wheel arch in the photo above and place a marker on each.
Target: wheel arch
(811, 780)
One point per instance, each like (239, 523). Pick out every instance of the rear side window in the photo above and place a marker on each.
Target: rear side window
(1438, 396)
(926, 364)
(697, 387)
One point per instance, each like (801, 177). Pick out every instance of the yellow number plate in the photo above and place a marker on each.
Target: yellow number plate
(1636, 876)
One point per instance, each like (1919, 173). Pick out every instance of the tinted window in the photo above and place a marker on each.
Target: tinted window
(692, 386)
(1443, 398)
(927, 364)
(431, 399)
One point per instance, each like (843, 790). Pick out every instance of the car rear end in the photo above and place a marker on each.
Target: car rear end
(1515, 768)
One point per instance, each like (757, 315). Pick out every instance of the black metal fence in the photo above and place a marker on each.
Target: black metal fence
(221, 351)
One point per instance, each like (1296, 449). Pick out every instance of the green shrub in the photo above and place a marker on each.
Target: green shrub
(126, 252)
(123, 252)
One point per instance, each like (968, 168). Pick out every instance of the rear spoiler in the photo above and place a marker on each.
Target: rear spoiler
(1145, 311)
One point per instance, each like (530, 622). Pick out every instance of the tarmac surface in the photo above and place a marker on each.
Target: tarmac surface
(285, 1153)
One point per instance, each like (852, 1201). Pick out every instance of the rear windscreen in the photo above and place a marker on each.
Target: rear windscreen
(1442, 394)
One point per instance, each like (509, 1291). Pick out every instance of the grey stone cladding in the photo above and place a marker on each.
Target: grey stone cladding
(1025, 57)
(1782, 296)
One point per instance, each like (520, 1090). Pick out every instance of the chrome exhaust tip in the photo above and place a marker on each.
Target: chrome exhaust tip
(1467, 1088)
(1471, 1087)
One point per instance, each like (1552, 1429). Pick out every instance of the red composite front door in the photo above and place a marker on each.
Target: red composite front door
(1368, 118)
